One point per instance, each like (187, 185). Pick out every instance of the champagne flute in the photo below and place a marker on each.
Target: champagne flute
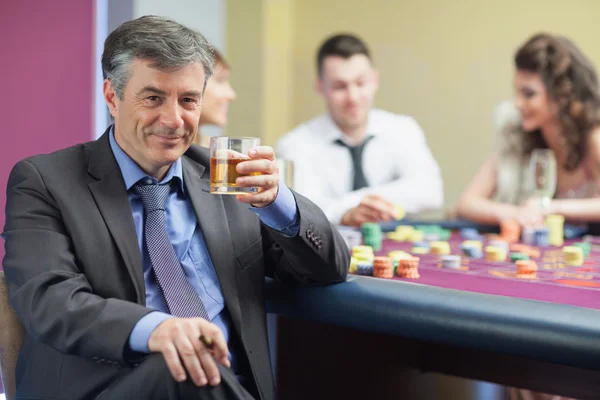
(543, 170)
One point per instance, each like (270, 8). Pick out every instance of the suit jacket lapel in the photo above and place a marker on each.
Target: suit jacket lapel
(212, 219)
(111, 197)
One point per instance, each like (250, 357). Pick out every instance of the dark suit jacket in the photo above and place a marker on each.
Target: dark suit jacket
(75, 273)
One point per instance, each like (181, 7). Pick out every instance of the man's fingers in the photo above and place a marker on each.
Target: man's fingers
(173, 362)
(366, 214)
(262, 152)
(208, 365)
(219, 346)
(383, 209)
(188, 352)
(228, 153)
(262, 181)
(263, 166)
(260, 199)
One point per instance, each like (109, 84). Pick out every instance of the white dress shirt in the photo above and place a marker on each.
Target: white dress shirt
(397, 164)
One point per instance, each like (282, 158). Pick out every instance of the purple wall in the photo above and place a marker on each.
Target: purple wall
(46, 72)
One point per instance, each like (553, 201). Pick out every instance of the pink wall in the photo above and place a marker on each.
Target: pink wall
(46, 76)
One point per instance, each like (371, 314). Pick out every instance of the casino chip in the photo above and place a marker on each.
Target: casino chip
(469, 233)
(372, 235)
(402, 233)
(556, 232)
(364, 268)
(585, 247)
(515, 256)
(526, 269)
(408, 268)
(493, 253)
(573, 255)
(417, 236)
(383, 267)
(450, 261)
(353, 263)
(528, 235)
(470, 249)
(542, 236)
(441, 248)
(399, 212)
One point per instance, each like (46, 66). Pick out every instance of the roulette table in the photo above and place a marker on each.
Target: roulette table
(384, 338)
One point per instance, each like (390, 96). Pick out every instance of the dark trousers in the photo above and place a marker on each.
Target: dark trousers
(151, 380)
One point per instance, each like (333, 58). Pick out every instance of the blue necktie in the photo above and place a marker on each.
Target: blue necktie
(177, 292)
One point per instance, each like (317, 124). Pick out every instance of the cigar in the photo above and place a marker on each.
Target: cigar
(208, 342)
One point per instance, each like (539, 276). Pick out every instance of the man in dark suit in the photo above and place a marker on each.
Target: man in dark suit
(131, 279)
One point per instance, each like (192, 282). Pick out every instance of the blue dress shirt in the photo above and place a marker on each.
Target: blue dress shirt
(189, 244)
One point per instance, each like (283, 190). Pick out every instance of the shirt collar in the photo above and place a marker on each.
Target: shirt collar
(332, 132)
(132, 173)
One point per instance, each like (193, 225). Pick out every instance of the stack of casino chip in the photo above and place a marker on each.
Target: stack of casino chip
(450, 261)
(445, 234)
(525, 249)
(528, 235)
(402, 233)
(542, 236)
(363, 252)
(469, 234)
(434, 232)
(417, 236)
(526, 269)
(408, 268)
(431, 236)
(499, 243)
(473, 243)
(363, 256)
(441, 248)
(361, 262)
(516, 256)
(397, 255)
(556, 231)
(353, 265)
(372, 235)
(383, 267)
(573, 255)
(471, 248)
(399, 212)
(420, 248)
(585, 247)
(493, 253)
(364, 268)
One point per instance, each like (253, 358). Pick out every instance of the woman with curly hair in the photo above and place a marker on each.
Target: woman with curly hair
(557, 106)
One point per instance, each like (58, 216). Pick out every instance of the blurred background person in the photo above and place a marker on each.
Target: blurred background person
(217, 97)
(557, 107)
(357, 162)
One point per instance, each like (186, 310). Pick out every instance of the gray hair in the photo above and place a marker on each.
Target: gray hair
(167, 44)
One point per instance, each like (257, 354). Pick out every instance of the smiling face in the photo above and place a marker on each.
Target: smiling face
(348, 86)
(217, 97)
(535, 105)
(158, 117)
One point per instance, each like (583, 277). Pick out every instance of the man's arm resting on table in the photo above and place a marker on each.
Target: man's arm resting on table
(316, 255)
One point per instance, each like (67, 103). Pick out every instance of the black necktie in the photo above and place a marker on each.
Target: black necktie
(356, 152)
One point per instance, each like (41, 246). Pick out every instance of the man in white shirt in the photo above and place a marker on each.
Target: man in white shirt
(357, 162)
